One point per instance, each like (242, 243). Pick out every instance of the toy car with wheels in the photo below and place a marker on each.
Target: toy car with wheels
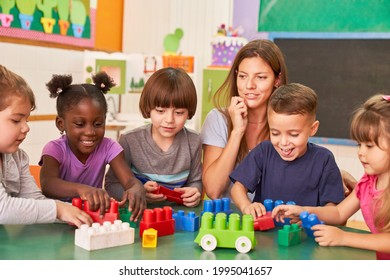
(219, 233)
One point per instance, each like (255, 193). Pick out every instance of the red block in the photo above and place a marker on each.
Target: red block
(264, 222)
(170, 194)
(158, 218)
(111, 214)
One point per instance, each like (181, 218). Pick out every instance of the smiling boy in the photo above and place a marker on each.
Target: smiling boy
(288, 167)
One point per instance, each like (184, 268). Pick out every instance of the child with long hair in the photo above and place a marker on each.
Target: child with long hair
(21, 201)
(165, 152)
(370, 128)
(74, 165)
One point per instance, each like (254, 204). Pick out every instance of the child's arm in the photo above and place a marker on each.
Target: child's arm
(135, 192)
(70, 214)
(333, 236)
(333, 215)
(54, 187)
(240, 197)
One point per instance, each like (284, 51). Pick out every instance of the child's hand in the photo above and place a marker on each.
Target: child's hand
(71, 214)
(151, 186)
(97, 199)
(328, 235)
(136, 195)
(287, 211)
(191, 196)
(255, 209)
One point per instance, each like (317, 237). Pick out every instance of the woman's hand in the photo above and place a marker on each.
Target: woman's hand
(238, 112)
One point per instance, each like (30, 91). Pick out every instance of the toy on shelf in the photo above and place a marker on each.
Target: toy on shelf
(189, 222)
(158, 218)
(308, 221)
(170, 194)
(149, 238)
(104, 236)
(217, 206)
(226, 235)
(226, 44)
(290, 235)
(269, 205)
(111, 214)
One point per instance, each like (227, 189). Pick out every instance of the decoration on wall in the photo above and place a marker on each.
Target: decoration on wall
(172, 42)
(70, 22)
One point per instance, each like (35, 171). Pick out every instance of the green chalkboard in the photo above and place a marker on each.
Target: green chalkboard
(343, 72)
(324, 16)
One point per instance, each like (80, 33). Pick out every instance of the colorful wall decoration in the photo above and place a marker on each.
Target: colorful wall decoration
(70, 22)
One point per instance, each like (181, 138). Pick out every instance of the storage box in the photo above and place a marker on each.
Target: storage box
(178, 61)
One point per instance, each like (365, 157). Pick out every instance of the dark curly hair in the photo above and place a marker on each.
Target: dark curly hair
(68, 95)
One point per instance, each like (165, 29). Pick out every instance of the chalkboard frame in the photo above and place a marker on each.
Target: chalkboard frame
(323, 137)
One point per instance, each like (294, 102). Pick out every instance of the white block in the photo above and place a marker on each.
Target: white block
(104, 236)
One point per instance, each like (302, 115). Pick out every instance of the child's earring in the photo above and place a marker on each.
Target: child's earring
(62, 132)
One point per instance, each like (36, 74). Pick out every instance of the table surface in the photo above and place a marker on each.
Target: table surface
(56, 242)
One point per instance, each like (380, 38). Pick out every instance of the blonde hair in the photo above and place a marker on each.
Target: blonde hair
(272, 55)
(369, 123)
(12, 85)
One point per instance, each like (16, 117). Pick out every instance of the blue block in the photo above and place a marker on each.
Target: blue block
(189, 222)
(216, 206)
(308, 221)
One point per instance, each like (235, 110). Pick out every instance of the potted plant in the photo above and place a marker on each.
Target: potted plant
(6, 17)
(63, 7)
(78, 17)
(26, 11)
(46, 7)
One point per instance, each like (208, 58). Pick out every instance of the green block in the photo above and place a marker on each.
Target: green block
(290, 235)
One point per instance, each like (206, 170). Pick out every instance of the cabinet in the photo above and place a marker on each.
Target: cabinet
(212, 80)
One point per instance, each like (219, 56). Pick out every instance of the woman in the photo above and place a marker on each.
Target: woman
(239, 121)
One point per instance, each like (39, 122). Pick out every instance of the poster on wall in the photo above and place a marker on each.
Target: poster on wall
(69, 22)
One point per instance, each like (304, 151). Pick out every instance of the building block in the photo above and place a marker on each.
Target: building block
(220, 233)
(111, 215)
(216, 206)
(264, 222)
(170, 194)
(269, 205)
(124, 216)
(189, 222)
(149, 238)
(308, 221)
(290, 235)
(158, 218)
(103, 236)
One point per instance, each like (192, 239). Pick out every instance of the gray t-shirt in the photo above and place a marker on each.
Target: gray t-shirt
(180, 166)
(21, 201)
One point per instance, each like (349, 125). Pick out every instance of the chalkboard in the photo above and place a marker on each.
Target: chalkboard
(324, 15)
(343, 72)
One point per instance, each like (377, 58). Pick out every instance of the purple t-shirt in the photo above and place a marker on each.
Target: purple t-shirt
(71, 169)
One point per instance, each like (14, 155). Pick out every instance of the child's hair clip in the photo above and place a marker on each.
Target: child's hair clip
(102, 85)
(386, 97)
(59, 90)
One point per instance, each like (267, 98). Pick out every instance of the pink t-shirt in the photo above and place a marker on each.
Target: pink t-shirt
(366, 192)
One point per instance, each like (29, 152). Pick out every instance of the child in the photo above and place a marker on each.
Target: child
(165, 152)
(21, 201)
(74, 165)
(371, 129)
(288, 167)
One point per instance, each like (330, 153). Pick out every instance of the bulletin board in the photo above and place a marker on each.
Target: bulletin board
(69, 22)
(324, 16)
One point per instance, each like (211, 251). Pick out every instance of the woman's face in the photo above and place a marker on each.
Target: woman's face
(255, 82)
